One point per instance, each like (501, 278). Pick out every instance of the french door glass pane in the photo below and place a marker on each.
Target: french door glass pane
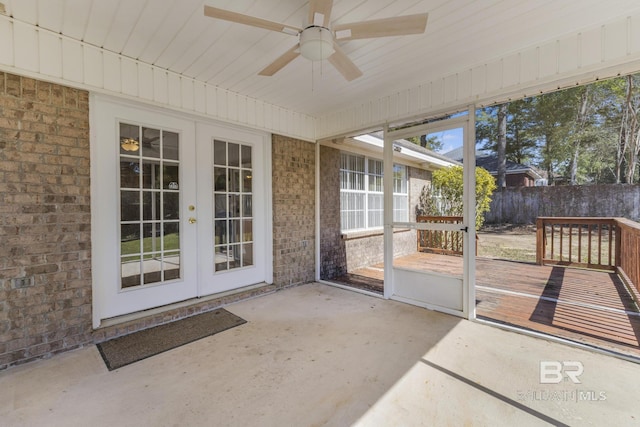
(247, 207)
(220, 205)
(151, 174)
(149, 205)
(234, 155)
(246, 157)
(220, 236)
(169, 145)
(233, 188)
(150, 143)
(220, 153)
(171, 265)
(234, 180)
(129, 172)
(171, 206)
(220, 179)
(129, 205)
(221, 259)
(247, 254)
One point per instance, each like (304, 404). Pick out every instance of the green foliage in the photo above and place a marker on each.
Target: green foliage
(444, 197)
(575, 134)
(521, 138)
(429, 142)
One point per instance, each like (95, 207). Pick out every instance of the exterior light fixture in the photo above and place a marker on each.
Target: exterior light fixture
(316, 43)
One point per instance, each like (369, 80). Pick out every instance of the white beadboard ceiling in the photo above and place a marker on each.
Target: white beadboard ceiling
(175, 35)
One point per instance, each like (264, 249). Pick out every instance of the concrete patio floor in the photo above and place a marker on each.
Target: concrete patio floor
(317, 355)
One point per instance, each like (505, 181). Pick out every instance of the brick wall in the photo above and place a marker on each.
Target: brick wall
(418, 179)
(45, 266)
(363, 251)
(340, 253)
(45, 256)
(293, 211)
(333, 256)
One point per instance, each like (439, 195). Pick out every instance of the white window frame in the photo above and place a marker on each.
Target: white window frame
(362, 196)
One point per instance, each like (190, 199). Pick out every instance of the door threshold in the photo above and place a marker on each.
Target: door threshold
(127, 323)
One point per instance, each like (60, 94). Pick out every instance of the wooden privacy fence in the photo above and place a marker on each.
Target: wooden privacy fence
(593, 242)
(440, 241)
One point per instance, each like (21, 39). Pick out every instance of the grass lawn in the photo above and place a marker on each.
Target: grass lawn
(171, 242)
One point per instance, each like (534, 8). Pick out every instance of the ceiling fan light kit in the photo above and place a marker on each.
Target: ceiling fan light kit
(318, 41)
(129, 144)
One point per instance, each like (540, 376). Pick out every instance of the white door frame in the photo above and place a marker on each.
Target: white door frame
(466, 307)
(105, 195)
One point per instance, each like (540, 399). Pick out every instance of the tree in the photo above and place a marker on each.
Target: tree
(521, 143)
(444, 197)
(630, 128)
(583, 134)
(429, 142)
(578, 133)
(502, 146)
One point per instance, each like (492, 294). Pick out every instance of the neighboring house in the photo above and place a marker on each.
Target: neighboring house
(517, 174)
(148, 172)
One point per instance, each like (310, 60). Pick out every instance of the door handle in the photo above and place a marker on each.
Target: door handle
(192, 220)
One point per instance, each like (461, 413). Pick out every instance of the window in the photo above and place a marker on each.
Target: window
(361, 193)
(149, 205)
(233, 196)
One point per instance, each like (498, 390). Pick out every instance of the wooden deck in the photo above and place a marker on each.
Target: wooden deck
(587, 306)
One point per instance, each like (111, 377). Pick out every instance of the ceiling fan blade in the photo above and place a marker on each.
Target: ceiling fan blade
(396, 26)
(281, 61)
(343, 64)
(239, 18)
(320, 12)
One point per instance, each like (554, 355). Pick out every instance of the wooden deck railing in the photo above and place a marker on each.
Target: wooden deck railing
(629, 251)
(438, 241)
(597, 243)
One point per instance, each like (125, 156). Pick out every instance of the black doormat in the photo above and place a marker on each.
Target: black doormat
(131, 348)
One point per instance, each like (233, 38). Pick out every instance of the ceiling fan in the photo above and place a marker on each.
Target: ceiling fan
(318, 39)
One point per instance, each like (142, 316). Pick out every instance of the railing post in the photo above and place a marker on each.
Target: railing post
(618, 230)
(540, 241)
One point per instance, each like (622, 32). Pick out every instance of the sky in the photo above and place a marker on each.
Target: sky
(451, 139)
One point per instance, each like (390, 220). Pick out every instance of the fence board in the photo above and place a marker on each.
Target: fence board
(522, 205)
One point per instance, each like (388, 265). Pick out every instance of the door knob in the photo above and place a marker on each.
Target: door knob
(192, 220)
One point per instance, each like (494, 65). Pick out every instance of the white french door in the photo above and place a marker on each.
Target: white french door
(232, 215)
(178, 208)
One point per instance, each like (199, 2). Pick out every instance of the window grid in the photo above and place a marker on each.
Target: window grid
(362, 196)
(233, 193)
(149, 205)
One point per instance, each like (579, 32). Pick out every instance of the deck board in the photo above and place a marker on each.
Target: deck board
(587, 306)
